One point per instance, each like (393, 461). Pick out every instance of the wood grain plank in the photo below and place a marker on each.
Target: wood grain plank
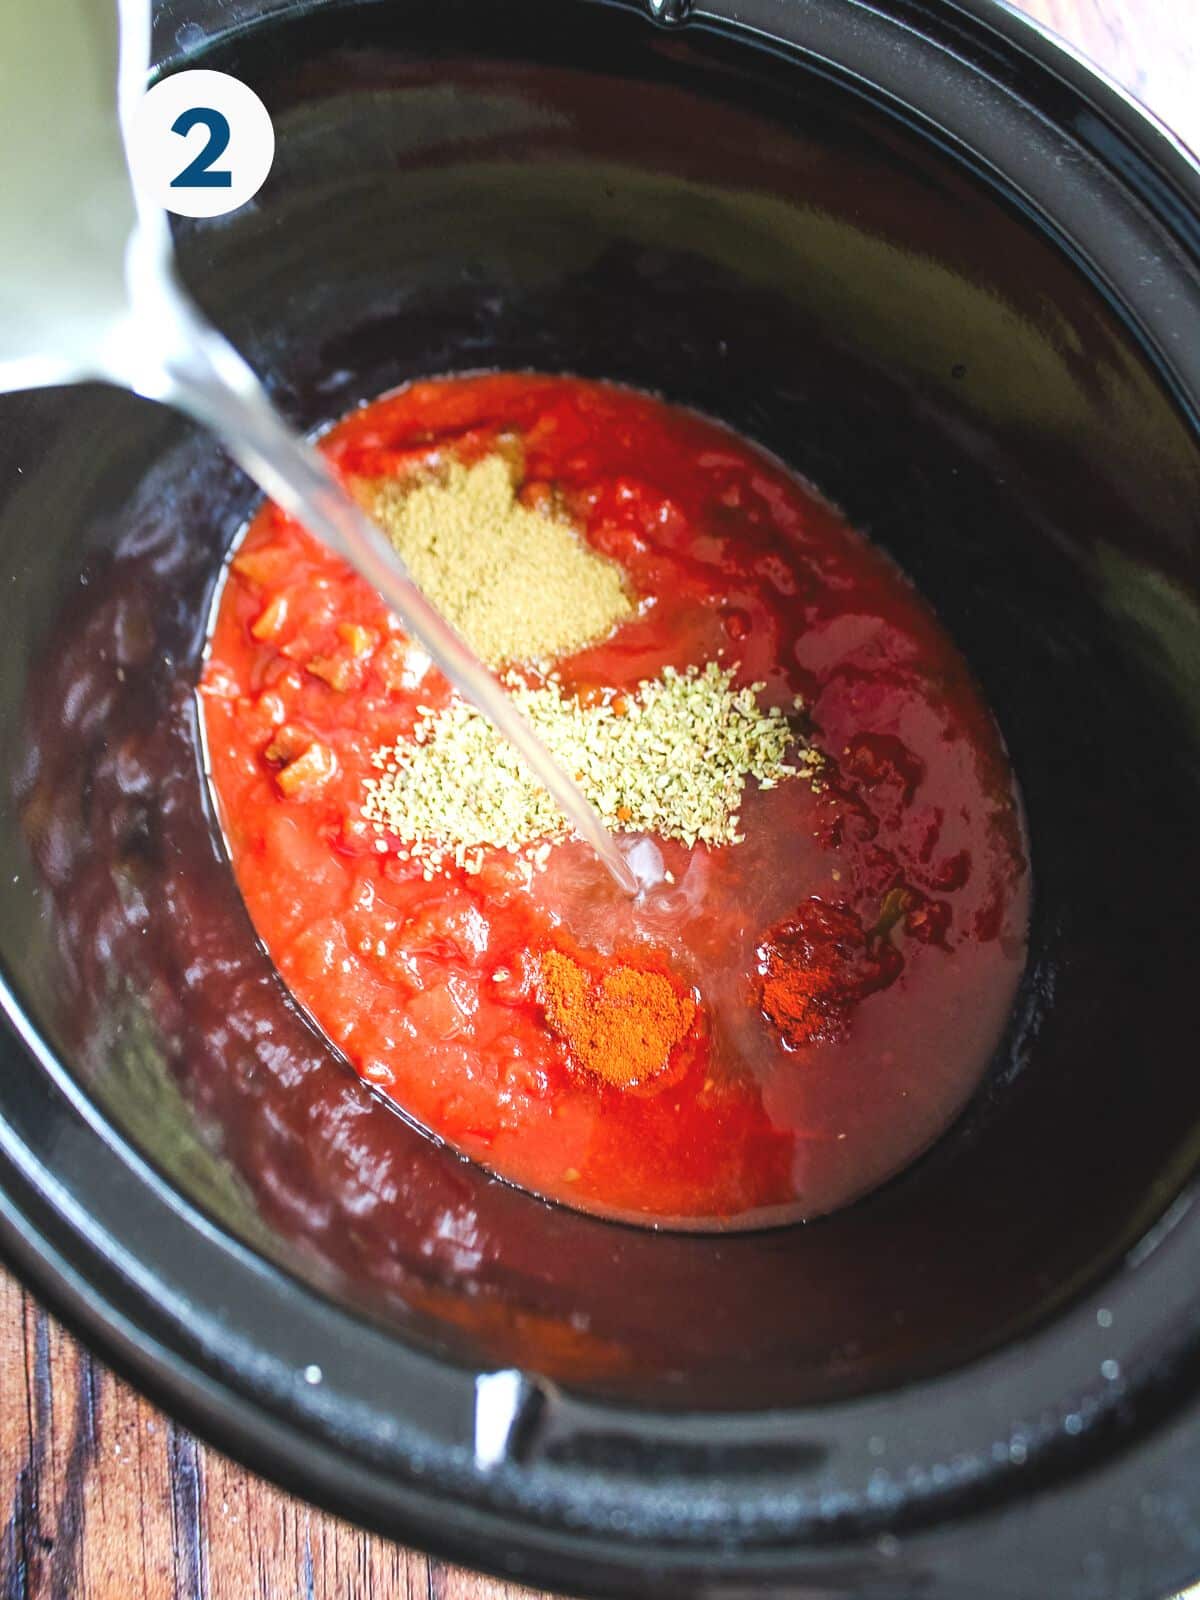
(84, 1467)
(262, 1544)
(103, 1498)
(107, 1499)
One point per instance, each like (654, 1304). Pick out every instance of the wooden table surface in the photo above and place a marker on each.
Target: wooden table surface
(108, 1498)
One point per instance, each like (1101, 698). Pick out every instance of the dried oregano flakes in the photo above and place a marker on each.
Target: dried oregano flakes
(672, 761)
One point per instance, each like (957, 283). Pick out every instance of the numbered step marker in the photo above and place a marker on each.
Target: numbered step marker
(202, 144)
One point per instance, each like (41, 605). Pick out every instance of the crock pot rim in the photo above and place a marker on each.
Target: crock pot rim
(330, 1443)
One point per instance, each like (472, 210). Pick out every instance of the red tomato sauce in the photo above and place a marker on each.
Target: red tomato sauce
(852, 962)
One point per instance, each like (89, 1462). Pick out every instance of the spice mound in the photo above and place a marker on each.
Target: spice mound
(673, 760)
(622, 1027)
(517, 583)
(815, 967)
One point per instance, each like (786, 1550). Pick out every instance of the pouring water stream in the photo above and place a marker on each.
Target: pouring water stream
(88, 290)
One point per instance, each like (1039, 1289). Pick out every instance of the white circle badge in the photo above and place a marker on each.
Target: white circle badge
(201, 144)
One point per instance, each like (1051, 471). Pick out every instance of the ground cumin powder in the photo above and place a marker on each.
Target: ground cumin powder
(622, 1028)
(519, 584)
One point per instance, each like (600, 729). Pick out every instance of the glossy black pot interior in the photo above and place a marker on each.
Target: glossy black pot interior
(566, 187)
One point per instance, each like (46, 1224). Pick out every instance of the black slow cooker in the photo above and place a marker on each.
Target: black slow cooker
(951, 276)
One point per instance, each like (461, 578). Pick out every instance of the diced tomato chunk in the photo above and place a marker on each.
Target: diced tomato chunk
(340, 672)
(267, 565)
(272, 619)
(308, 772)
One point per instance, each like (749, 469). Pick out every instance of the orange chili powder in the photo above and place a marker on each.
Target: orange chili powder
(622, 1028)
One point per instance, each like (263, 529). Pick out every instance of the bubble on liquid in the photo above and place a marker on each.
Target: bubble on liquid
(644, 860)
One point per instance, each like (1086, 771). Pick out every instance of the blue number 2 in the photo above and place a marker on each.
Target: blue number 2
(198, 174)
